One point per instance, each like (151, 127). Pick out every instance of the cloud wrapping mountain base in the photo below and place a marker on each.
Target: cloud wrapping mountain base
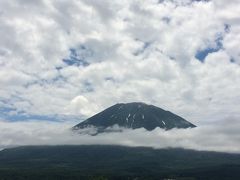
(223, 136)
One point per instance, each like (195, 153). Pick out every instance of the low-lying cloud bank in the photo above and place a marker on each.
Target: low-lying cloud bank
(223, 136)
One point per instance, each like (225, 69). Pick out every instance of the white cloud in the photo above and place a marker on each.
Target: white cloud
(81, 105)
(137, 50)
(222, 136)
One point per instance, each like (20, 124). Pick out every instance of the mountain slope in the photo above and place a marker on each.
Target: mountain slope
(115, 162)
(135, 115)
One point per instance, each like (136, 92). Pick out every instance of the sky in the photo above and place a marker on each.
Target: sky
(63, 61)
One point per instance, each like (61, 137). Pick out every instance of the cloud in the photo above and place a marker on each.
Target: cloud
(79, 104)
(222, 136)
(129, 51)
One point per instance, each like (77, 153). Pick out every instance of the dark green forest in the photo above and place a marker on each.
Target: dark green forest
(101, 162)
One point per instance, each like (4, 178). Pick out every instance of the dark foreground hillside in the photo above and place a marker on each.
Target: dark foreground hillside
(115, 162)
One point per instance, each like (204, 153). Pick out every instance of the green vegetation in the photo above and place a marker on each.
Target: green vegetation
(115, 162)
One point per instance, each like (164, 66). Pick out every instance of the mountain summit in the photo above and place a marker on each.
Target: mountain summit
(134, 115)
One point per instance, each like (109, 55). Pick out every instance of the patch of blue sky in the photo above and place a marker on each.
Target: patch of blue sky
(77, 57)
(183, 2)
(88, 87)
(202, 54)
(200, 0)
(10, 114)
(232, 60)
(110, 79)
(166, 19)
(142, 49)
(58, 80)
(227, 28)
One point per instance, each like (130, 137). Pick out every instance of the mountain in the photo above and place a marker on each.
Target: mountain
(106, 162)
(134, 115)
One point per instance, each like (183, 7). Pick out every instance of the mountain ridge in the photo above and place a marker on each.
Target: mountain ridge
(135, 115)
